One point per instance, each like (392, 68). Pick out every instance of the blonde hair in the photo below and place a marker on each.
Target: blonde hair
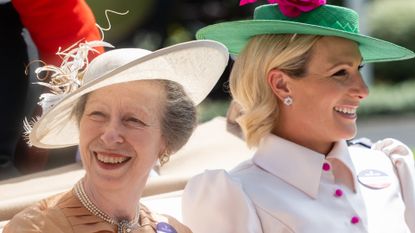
(289, 53)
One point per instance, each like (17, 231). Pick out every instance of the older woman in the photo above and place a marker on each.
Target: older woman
(298, 83)
(135, 107)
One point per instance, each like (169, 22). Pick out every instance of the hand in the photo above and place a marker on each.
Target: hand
(391, 146)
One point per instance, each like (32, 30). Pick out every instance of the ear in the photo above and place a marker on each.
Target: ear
(279, 83)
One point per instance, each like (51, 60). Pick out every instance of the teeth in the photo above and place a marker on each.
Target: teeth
(111, 159)
(350, 111)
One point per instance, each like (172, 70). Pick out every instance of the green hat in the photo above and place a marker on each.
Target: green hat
(326, 20)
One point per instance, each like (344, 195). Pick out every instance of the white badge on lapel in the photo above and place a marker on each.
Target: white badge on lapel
(374, 179)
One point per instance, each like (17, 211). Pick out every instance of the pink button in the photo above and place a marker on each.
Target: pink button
(326, 166)
(355, 220)
(338, 193)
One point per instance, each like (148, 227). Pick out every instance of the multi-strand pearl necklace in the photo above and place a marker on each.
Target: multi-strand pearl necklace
(123, 225)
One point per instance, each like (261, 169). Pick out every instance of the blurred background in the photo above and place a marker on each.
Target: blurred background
(389, 111)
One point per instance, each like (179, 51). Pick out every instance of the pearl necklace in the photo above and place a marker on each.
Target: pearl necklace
(123, 225)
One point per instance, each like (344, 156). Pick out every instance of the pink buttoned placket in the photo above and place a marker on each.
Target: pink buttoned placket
(355, 220)
(326, 167)
(339, 193)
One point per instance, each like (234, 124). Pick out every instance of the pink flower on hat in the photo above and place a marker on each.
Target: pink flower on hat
(292, 8)
(244, 2)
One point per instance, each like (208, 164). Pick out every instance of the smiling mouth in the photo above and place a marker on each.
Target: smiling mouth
(351, 112)
(111, 160)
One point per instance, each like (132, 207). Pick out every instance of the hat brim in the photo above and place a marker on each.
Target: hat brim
(236, 34)
(196, 65)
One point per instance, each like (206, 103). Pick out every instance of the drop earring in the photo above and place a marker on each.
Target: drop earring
(288, 100)
(164, 159)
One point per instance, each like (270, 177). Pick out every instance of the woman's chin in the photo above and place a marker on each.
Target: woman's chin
(350, 133)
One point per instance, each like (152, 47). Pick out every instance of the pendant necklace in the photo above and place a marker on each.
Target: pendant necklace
(124, 226)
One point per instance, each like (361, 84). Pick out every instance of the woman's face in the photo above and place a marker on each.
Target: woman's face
(325, 101)
(120, 133)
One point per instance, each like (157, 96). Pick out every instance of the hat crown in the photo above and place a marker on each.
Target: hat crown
(329, 16)
(111, 60)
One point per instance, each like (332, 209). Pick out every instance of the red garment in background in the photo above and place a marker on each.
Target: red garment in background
(52, 24)
(57, 23)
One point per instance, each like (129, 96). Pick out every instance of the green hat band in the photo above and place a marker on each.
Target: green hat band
(328, 16)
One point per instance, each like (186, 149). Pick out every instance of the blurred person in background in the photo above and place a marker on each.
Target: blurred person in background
(51, 25)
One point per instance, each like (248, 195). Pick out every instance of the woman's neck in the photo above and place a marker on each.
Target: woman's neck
(121, 204)
(304, 139)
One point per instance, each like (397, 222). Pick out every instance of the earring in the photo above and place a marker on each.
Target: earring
(288, 100)
(164, 159)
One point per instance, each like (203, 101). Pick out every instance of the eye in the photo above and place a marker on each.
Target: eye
(97, 116)
(135, 122)
(340, 73)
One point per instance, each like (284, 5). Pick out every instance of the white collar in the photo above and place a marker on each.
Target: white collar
(298, 165)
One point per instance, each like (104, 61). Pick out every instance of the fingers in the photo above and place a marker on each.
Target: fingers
(399, 149)
(391, 146)
(381, 144)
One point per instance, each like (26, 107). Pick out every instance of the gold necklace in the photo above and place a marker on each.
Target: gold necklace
(123, 225)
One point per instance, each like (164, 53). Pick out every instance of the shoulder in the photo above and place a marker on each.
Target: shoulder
(214, 192)
(46, 206)
(178, 226)
(211, 181)
(161, 222)
(361, 149)
(375, 170)
(360, 142)
(37, 217)
(363, 157)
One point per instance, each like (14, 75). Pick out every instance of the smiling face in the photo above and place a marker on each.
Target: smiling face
(326, 98)
(120, 134)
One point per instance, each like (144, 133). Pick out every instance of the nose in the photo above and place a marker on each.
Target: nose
(359, 88)
(112, 134)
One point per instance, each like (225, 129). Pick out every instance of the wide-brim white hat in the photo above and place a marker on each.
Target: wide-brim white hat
(196, 65)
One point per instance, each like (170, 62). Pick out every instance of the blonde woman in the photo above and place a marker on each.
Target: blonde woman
(298, 83)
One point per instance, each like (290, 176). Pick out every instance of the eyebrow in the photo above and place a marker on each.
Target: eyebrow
(344, 63)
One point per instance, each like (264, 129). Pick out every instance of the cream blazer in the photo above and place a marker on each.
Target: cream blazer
(289, 188)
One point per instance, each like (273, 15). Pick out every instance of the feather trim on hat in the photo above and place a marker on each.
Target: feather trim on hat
(64, 79)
